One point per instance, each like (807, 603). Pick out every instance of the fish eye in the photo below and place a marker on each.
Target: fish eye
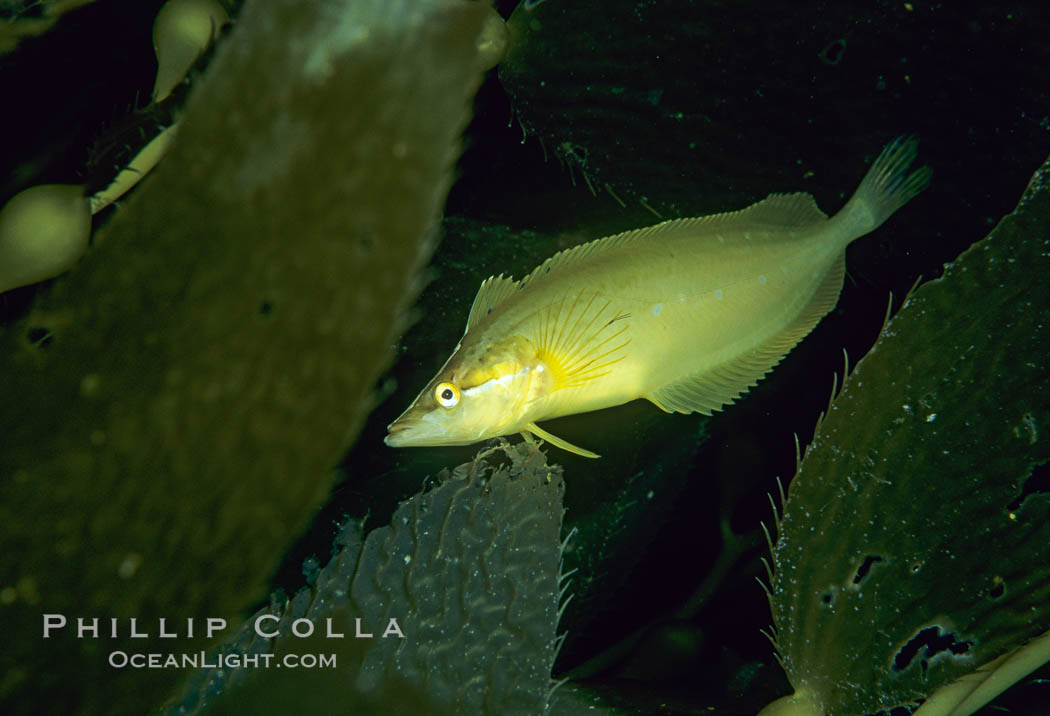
(446, 394)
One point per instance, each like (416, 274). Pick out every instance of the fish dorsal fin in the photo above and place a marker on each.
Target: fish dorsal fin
(783, 210)
(577, 253)
(780, 211)
(708, 391)
(494, 290)
(580, 337)
(776, 210)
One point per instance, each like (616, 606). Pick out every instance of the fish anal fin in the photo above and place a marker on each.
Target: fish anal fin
(558, 442)
(493, 291)
(710, 390)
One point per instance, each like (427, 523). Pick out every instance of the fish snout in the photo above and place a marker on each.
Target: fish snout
(396, 434)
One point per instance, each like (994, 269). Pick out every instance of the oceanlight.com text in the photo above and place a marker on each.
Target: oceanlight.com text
(204, 660)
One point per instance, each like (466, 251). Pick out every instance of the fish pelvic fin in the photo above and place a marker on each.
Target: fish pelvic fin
(556, 441)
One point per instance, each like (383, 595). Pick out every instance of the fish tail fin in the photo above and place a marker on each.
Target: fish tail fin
(886, 187)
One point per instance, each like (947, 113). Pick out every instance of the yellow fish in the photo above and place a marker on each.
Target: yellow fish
(688, 314)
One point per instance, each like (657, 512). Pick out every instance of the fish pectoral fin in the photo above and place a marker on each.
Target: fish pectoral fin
(581, 337)
(556, 441)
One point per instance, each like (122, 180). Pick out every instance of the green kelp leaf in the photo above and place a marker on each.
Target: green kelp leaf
(915, 540)
(212, 357)
(470, 571)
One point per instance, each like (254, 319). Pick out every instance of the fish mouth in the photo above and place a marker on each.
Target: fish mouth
(425, 432)
(399, 435)
(413, 432)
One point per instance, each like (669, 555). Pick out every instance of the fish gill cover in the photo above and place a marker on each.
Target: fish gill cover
(915, 540)
(207, 363)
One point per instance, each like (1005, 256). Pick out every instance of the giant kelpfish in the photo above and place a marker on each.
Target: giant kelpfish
(688, 314)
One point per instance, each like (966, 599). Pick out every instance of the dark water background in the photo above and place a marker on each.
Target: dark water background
(690, 108)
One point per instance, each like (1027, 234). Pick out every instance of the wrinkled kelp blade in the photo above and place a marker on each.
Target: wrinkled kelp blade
(470, 571)
(210, 360)
(915, 542)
